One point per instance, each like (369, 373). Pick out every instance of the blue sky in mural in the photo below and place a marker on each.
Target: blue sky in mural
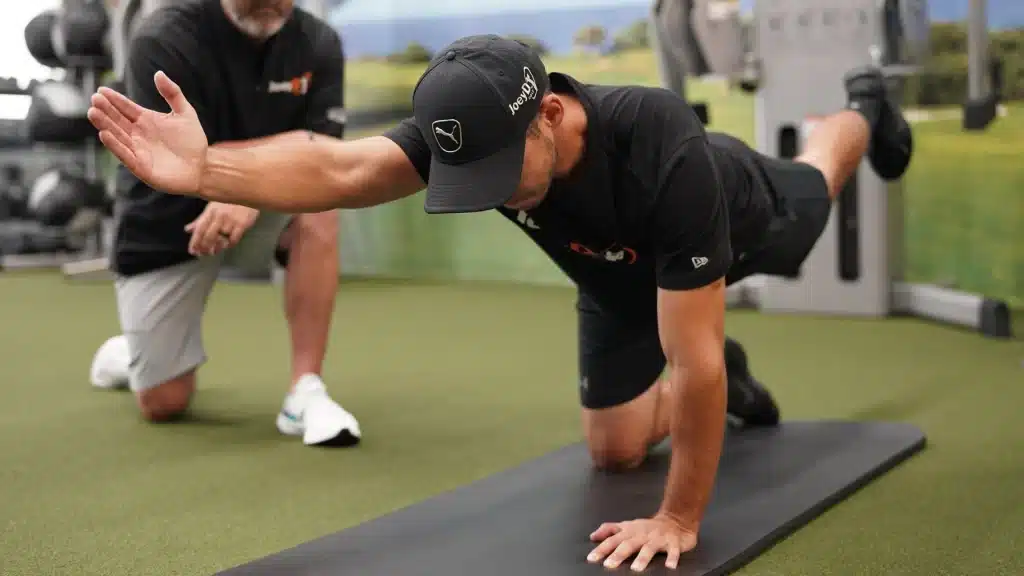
(386, 9)
(1002, 12)
(381, 27)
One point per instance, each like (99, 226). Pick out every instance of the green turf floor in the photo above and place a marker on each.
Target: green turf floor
(452, 384)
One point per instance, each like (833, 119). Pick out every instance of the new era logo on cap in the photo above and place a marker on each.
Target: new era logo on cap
(473, 106)
(698, 261)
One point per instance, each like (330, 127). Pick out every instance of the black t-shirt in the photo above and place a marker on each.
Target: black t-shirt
(241, 89)
(652, 203)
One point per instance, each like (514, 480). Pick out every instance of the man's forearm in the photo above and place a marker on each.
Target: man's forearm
(697, 432)
(283, 137)
(287, 173)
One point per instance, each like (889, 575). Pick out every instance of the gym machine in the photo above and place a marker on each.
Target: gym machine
(984, 75)
(695, 38)
(803, 48)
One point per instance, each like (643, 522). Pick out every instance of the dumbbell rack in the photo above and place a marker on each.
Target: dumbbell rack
(86, 224)
(93, 258)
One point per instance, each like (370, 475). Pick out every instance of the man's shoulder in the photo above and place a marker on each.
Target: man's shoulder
(173, 24)
(323, 38)
(643, 126)
(650, 110)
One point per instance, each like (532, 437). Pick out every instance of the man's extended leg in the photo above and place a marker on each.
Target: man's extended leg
(872, 126)
(311, 286)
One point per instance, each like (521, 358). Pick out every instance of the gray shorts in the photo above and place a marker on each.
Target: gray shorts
(161, 311)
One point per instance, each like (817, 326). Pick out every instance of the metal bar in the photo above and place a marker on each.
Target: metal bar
(977, 49)
(988, 316)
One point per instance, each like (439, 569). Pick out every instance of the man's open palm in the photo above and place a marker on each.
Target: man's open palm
(167, 151)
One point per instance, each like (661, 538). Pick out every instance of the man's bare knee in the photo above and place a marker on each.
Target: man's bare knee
(617, 456)
(619, 436)
(167, 401)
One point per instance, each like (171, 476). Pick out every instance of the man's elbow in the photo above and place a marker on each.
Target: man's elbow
(702, 375)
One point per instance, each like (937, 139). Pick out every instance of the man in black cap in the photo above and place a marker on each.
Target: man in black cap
(620, 185)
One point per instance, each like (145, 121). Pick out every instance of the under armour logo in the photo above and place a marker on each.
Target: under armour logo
(448, 135)
(524, 220)
(698, 261)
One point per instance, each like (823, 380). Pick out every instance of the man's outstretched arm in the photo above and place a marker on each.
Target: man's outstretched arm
(305, 172)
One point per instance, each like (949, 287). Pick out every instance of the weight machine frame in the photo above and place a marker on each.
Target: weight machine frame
(822, 292)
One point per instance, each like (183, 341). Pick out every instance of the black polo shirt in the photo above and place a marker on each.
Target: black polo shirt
(240, 88)
(652, 203)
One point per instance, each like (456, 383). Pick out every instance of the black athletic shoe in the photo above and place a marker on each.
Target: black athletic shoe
(892, 143)
(749, 401)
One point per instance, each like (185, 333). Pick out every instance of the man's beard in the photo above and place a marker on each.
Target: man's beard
(254, 27)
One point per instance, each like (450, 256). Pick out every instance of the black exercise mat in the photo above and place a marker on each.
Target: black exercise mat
(534, 520)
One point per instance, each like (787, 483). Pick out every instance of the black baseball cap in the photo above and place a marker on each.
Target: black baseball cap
(473, 106)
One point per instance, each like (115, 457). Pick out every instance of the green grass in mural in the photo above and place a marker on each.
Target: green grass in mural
(379, 85)
(965, 206)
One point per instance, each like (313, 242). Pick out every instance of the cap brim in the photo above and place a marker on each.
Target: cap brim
(477, 186)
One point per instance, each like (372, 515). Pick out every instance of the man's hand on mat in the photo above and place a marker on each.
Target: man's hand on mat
(166, 151)
(645, 538)
(219, 227)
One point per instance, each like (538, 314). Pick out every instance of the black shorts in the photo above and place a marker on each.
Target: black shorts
(620, 354)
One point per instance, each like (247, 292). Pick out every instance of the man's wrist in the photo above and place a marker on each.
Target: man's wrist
(216, 168)
(691, 525)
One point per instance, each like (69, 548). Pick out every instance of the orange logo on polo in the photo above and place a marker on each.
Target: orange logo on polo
(297, 86)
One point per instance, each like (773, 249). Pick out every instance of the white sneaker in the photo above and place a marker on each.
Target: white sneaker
(111, 364)
(308, 411)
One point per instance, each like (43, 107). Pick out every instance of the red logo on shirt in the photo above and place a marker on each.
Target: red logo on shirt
(615, 253)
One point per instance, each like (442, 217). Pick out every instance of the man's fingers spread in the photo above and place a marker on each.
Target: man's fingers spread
(115, 116)
(644, 557)
(605, 530)
(606, 547)
(171, 93)
(104, 105)
(672, 561)
(120, 150)
(126, 107)
(102, 121)
(624, 550)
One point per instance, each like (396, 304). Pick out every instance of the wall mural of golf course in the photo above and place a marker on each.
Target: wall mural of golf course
(964, 214)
